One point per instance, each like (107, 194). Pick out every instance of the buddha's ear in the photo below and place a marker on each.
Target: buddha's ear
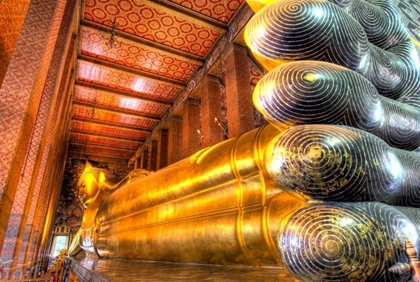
(88, 165)
(101, 177)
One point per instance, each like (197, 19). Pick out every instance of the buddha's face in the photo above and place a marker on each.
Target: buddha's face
(88, 189)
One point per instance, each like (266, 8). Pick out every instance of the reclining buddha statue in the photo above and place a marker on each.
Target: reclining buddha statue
(329, 189)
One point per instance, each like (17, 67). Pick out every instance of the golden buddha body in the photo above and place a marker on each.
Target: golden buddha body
(328, 202)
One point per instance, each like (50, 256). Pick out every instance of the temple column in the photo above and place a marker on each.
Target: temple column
(153, 155)
(163, 148)
(137, 162)
(49, 195)
(145, 157)
(190, 125)
(50, 100)
(210, 110)
(240, 110)
(175, 140)
(58, 127)
(140, 165)
(19, 227)
(12, 16)
(26, 100)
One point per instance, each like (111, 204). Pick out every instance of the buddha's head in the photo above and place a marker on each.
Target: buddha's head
(89, 184)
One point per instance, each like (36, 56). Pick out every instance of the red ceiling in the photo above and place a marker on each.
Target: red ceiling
(135, 57)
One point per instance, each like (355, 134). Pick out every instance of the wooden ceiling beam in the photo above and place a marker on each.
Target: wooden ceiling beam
(82, 152)
(116, 110)
(96, 134)
(141, 40)
(112, 125)
(97, 157)
(188, 13)
(101, 146)
(125, 126)
(112, 138)
(132, 70)
(236, 26)
(123, 93)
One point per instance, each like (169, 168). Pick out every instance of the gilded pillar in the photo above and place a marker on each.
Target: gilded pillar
(211, 109)
(240, 110)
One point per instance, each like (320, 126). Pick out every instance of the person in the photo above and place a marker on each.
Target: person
(328, 202)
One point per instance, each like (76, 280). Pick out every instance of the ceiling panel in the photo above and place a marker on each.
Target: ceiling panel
(222, 11)
(118, 101)
(95, 43)
(135, 58)
(98, 140)
(88, 112)
(111, 131)
(100, 150)
(123, 80)
(155, 23)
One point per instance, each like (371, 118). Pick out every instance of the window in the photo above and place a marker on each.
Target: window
(59, 242)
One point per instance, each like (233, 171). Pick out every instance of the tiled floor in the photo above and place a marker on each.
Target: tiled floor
(89, 269)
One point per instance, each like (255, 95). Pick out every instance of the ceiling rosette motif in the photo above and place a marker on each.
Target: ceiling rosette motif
(135, 57)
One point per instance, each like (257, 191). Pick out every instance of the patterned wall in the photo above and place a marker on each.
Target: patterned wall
(12, 14)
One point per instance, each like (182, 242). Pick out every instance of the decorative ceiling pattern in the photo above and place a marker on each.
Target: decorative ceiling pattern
(115, 132)
(219, 10)
(102, 150)
(88, 140)
(154, 22)
(112, 117)
(126, 81)
(117, 101)
(135, 57)
(255, 73)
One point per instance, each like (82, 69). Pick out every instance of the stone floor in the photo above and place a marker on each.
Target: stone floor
(90, 269)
